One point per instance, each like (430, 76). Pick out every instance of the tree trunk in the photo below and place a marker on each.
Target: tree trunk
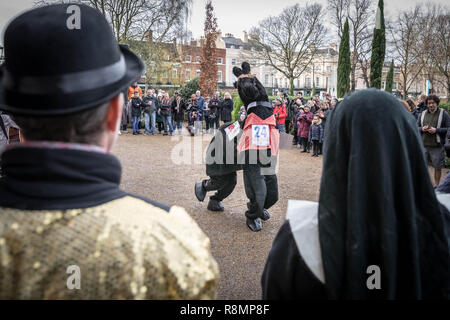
(291, 85)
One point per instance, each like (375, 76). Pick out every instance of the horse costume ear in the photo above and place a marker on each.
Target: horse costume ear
(245, 67)
(237, 72)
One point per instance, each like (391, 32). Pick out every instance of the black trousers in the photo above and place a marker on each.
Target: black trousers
(305, 144)
(210, 123)
(262, 191)
(223, 184)
(295, 140)
(315, 144)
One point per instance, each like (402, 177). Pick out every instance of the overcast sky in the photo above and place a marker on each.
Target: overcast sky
(233, 16)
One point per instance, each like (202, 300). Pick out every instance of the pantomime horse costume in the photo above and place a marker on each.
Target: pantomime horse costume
(250, 145)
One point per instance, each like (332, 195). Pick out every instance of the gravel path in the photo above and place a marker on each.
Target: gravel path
(148, 170)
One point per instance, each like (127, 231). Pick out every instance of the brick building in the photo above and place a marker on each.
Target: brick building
(191, 54)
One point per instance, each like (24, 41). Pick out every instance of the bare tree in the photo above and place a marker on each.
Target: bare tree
(404, 37)
(132, 19)
(359, 14)
(290, 41)
(435, 42)
(147, 26)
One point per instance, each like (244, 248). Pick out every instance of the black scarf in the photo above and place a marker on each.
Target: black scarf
(377, 205)
(50, 178)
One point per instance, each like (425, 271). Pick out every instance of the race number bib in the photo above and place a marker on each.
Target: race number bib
(232, 130)
(260, 135)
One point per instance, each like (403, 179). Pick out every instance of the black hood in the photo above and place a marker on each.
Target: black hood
(377, 205)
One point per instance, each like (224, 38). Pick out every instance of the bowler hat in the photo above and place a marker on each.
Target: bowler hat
(62, 59)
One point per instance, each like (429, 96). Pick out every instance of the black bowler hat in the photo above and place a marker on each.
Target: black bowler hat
(53, 68)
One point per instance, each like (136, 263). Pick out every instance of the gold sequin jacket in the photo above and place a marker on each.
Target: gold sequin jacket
(68, 232)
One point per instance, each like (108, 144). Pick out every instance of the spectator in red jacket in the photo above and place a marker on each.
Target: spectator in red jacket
(304, 121)
(280, 114)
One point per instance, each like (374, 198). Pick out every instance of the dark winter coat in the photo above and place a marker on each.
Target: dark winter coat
(214, 105)
(226, 110)
(303, 123)
(178, 113)
(315, 132)
(149, 108)
(165, 107)
(136, 106)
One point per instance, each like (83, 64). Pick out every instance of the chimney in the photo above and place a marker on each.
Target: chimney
(228, 35)
(202, 41)
(245, 39)
(149, 36)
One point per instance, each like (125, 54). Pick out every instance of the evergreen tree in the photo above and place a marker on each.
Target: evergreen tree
(208, 65)
(390, 78)
(343, 85)
(378, 48)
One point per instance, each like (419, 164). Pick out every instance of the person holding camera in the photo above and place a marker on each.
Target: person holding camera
(136, 108)
(214, 105)
(280, 114)
(303, 123)
(178, 107)
(166, 114)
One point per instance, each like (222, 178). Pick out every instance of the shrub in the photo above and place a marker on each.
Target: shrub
(189, 88)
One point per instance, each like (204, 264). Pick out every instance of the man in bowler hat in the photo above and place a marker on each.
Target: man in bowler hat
(67, 231)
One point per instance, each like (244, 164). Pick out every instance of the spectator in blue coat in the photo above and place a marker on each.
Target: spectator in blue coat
(316, 135)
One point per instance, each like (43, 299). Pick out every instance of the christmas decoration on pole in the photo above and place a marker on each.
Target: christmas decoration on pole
(208, 65)
(343, 85)
(378, 48)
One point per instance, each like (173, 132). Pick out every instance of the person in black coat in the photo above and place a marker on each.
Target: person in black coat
(178, 108)
(226, 108)
(136, 109)
(214, 108)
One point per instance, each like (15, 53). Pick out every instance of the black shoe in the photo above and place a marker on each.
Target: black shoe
(200, 192)
(303, 151)
(134, 133)
(215, 205)
(165, 134)
(313, 155)
(254, 224)
(266, 215)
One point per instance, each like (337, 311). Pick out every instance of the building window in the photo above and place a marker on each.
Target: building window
(198, 59)
(285, 82)
(165, 74)
(328, 68)
(219, 78)
(197, 73)
(266, 63)
(174, 73)
(308, 69)
(219, 60)
(232, 47)
(327, 79)
(317, 81)
(308, 82)
(188, 74)
(233, 61)
(266, 80)
(298, 83)
(188, 59)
